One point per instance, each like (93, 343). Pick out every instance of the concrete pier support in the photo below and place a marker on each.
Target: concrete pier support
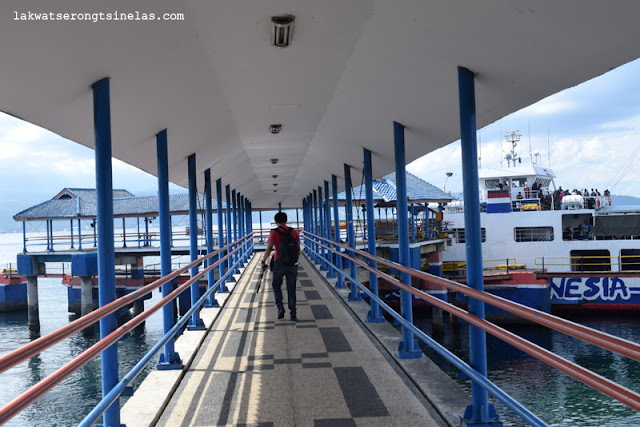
(32, 303)
(86, 295)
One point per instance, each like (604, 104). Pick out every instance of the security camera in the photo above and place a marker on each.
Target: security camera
(275, 129)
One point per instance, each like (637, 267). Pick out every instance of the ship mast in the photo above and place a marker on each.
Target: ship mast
(513, 137)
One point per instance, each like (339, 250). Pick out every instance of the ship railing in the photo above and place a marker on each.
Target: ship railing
(582, 263)
(238, 251)
(459, 268)
(370, 263)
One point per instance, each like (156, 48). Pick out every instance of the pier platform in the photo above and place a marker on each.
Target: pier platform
(327, 369)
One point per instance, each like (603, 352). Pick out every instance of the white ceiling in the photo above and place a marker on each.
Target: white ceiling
(216, 84)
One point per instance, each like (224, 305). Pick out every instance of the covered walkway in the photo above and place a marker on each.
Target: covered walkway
(325, 369)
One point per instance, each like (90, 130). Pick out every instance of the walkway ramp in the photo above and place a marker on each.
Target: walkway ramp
(323, 370)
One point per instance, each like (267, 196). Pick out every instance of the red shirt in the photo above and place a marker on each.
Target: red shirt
(274, 237)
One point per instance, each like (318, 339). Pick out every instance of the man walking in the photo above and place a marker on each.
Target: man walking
(286, 242)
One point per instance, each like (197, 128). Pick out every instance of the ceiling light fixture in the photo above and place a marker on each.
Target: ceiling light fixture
(274, 176)
(275, 128)
(274, 161)
(282, 30)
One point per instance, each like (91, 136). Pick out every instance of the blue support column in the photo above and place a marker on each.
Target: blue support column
(354, 294)
(195, 323)
(480, 412)
(408, 348)
(208, 217)
(323, 251)
(413, 223)
(169, 359)
(231, 279)
(236, 231)
(374, 314)
(305, 221)
(327, 226)
(316, 226)
(336, 229)
(221, 268)
(240, 222)
(106, 250)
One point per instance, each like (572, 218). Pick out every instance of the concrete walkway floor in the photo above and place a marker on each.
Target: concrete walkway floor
(323, 370)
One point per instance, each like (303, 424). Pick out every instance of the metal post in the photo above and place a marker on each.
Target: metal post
(413, 223)
(124, 236)
(24, 236)
(408, 348)
(480, 411)
(208, 217)
(260, 219)
(33, 310)
(314, 223)
(71, 228)
(234, 211)
(79, 236)
(322, 251)
(195, 323)
(354, 294)
(241, 230)
(169, 359)
(374, 314)
(106, 251)
(336, 229)
(327, 227)
(230, 279)
(221, 267)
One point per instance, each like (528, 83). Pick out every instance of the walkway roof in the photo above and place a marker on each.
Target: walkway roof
(216, 84)
(72, 203)
(385, 191)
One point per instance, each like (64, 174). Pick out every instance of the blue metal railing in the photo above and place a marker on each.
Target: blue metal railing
(39, 345)
(623, 347)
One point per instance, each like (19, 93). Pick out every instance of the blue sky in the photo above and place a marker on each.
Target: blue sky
(592, 132)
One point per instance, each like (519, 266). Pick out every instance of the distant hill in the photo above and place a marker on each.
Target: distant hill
(624, 200)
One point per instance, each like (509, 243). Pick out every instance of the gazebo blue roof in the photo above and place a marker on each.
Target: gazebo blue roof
(385, 191)
(73, 203)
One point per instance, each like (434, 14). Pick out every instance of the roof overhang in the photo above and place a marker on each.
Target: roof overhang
(216, 84)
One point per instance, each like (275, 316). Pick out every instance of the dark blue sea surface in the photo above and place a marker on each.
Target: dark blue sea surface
(552, 395)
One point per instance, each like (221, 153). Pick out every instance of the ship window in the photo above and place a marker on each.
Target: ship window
(533, 234)
(590, 260)
(491, 184)
(519, 182)
(629, 259)
(460, 236)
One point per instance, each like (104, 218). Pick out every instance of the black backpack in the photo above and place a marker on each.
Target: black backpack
(287, 248)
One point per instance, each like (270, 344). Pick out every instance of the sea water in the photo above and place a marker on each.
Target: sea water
(553, 396)
(71, 400)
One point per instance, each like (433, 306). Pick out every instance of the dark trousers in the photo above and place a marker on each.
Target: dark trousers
(290, 272)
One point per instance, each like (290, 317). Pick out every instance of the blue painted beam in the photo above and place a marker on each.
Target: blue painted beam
(323, 253)
(223, 287)
(480, 411)
(408, 348)
(195, 323)
(374, 314)
(336, 229)
(208, 203)
(327, 226)
(354, 294)
(106, 250)
(169, 359)
(231, 279)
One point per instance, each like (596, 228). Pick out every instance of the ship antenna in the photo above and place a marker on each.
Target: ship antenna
(513, 137)
(529, 130)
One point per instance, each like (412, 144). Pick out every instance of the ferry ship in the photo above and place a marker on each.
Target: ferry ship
(549, 252)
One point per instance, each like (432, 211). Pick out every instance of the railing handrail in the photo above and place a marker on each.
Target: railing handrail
(604, 385)
(41, 344)
(602, 339)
